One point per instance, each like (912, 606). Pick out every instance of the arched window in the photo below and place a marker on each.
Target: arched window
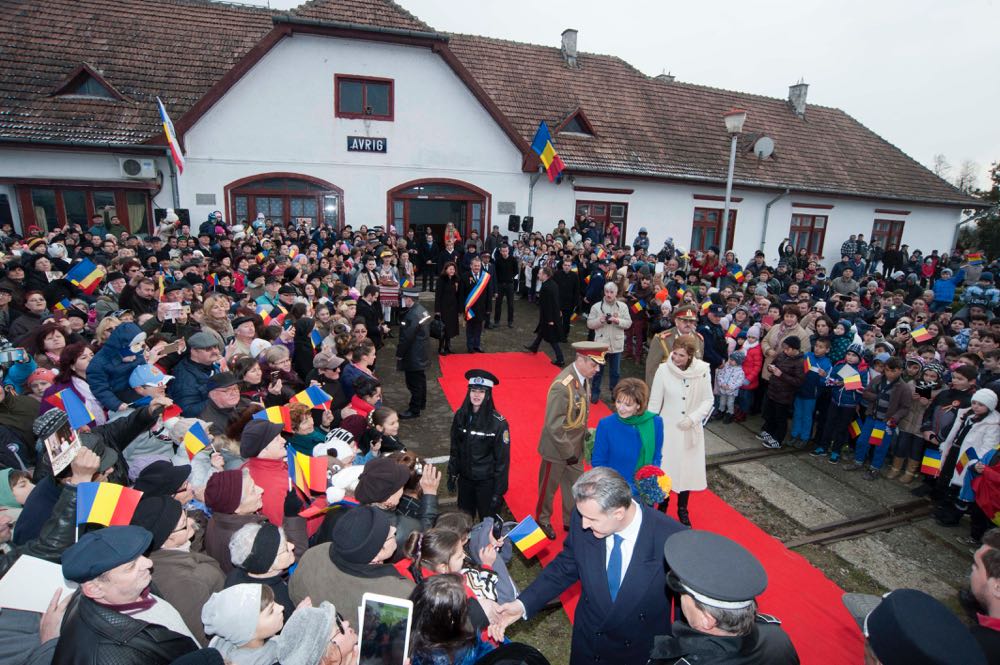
(284, 198)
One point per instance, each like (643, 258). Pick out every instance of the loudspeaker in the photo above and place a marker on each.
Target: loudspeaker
(183, 213)
(513, 223)
(527, 223)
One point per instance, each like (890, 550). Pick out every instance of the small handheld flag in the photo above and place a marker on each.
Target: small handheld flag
(307, 473)
(975, 259)
(316, 338)
(877, 436)
(734, 330)
(705, 306)
(969, 456)
(528, 537)
(276, 414)
(853, 382)
(921, 334)
(807, 364)
(739, 277)
(854, 429)
(638, 306)
(109, 504)
(313, 397)
(78, 413)
(542, 145)
(85, 275)
(195, 440)
(931, 464)
(63, 305)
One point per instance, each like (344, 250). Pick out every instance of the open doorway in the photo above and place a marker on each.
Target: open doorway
(434, 203)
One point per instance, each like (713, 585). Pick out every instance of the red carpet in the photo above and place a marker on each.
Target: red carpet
(807, 603)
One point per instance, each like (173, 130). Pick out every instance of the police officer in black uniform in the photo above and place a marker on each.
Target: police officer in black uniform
(411, 352)
(719, 581)
(480, 449)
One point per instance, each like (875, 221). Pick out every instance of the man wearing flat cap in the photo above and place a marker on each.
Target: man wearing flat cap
(662, 344)
(718, 581)
(411, 352)
(113, 618)
(567, 406)
(479, 463)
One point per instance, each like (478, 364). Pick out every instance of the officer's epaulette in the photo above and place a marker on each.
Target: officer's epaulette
(498, 416)
(567, 380)
(768, 618)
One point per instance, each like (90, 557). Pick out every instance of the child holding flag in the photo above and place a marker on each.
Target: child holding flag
(844, 401)
(817, 368)
(888, 399)
(975, 433)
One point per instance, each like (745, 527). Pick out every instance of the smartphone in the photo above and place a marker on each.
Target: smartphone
(384, 625)
(171, 311)
(13, 356)
(173, 347)
(275, 375)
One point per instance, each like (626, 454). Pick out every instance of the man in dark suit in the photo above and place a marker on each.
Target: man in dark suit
(549, 325)
(428, 253)
(475, 303)
(615, 550)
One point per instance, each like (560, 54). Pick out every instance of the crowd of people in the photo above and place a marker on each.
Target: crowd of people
(269, 338)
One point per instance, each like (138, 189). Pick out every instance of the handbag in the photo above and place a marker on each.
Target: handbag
(436, 329)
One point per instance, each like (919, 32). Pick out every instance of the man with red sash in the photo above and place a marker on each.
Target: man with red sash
(476, 291)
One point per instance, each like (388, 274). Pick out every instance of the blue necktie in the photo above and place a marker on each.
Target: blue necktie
(615, 567)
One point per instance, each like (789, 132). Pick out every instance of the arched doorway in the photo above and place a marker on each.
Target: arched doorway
(285, 197)
(433, 203)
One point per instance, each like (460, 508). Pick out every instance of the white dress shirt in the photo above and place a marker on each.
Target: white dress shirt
(629, 535)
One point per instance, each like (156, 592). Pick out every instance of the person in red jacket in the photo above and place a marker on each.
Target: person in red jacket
(752, 365)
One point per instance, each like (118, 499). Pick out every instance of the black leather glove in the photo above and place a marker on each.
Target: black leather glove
(572, 460)
(293, 504)
(451, 483)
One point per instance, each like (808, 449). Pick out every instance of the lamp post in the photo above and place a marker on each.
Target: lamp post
(734, 125)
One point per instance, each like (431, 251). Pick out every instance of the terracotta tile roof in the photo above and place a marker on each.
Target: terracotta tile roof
(645, 126)
(381, 13)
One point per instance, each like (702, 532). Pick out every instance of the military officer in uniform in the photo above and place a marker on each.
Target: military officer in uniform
(662, 344)
(411, 353)
(719, 581)
(561, 444)
(480, 449)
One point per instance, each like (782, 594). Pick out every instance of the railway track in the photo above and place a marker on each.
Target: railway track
(854, 527)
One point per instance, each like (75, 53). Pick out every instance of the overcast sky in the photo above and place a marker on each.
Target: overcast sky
(921, 73)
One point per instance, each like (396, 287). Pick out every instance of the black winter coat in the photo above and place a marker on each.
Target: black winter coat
(569, 288)
(411, 352)
(480, 449)
(782, 389)
(549, 314)
(447, 304)
(95, 635)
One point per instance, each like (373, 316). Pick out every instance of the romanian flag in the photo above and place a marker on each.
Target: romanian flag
(316, 337)
(105, 503)
(407, 283)
(807, 364)
(163, 288)
(528, 537)
(261, 256)
(63, 305)
(542, 145)
(600, 252)
(212, 279)
(733, 330)
(307, 473)
(67, 400)
(921, 334)
(680, 291)
(853, 382)
(739, 277)
(574, 317)
(970, 456)
(313, 397)
(168, 131)
(975, 259)
(586, 280)
(293, 251)
(195, 440)
(705, 305)
(854, 429)
(638, 306)
(276, 414)
(877, 436)
(931, 466)
(85, 275)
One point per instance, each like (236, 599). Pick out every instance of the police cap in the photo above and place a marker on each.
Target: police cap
(713, 569)
(480, 378)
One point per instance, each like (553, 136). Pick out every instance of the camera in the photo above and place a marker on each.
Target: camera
(607, 318)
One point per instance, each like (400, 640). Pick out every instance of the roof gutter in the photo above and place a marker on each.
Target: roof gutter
(111, 147)
(288, 19)
(772, 186)
(767, 213)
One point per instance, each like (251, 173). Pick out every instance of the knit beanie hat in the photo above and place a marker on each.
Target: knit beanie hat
(306, 634)
(256, 435)
(360, 533)
(233, 612)
(158, 515)
(224, 491)
(381, 478)
(986, 397)
(792, 342)
(754, 331)
(738, 357)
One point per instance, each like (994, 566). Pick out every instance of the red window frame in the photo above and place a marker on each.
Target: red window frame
(600, 212)
(803, 232)
(700, 226)
(888, 232)
(24, 187)
(364, 81)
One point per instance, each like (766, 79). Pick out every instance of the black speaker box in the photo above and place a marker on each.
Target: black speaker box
(527, 224)
(513, 223)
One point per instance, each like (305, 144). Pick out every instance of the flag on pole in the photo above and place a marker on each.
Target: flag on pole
(969, 456)
(528, 537)
(307, 473)
(542, 145)
(931, 464)
(313, 397)
(85, 275)
(168, 131)
(109, 504)
(78, 413)
(195, 440)
(638, 306)
(276, 414)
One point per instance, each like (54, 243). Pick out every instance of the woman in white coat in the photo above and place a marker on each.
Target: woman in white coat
(682, 395)
(975, 433)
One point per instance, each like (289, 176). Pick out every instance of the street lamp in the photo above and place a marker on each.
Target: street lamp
(734, 125)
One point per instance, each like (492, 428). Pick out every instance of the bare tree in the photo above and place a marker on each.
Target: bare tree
(941, 166)
(968, 177)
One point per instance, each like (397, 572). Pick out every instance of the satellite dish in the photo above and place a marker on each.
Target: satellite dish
(763, 147)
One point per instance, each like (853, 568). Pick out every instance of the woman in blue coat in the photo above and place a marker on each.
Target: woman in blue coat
(630, 438)
(109, 371)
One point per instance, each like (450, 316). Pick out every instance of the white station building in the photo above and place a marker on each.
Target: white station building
(356, 112)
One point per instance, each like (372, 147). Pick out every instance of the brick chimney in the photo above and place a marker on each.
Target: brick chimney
(666, 77)
(569, 46)
(797, 98)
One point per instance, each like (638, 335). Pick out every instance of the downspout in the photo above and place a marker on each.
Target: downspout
(531, 189)
(767, 213)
